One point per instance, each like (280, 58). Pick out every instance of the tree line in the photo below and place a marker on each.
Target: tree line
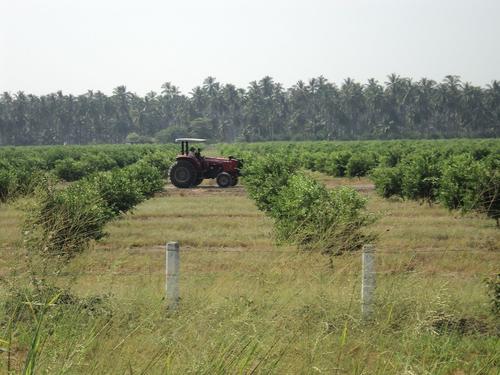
(265, 110)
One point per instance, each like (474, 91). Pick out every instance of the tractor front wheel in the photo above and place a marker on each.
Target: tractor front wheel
(183, 174)
(224, 180)
(235, 181)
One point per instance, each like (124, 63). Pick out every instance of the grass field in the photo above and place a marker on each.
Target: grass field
(250, 306)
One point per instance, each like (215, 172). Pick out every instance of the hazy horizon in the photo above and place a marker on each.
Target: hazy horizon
(96, 45)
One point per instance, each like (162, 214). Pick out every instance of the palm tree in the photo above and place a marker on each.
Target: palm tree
(353, 106)
(123, 122)
(449, 92)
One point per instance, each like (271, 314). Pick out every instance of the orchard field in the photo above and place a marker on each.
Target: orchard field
(270, 269)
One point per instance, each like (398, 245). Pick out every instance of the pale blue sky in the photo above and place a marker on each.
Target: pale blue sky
(100, 44)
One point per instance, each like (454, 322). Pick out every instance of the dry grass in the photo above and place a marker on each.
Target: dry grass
(238, 288)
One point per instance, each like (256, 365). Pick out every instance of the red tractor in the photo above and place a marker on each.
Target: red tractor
(190, 168)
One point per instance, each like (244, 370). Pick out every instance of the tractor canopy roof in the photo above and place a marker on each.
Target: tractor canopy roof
(189, 140)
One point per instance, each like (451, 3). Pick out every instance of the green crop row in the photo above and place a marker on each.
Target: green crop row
(21, 168)
(304, 212)
(458, 181)
(358, 158)
(460, 174)
(63, 221)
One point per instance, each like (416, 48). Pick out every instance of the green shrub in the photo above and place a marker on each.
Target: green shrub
(124, 157)
(122, 189)
(319, 161)
(391, 157)
(420, 176)
(479, 153)
(305, 213)
(70, 169)
(265, 176)
(471, 185)
(295, 203)
(161, 160)
(148, 177)
(312, 217)
(457, 180)
(98, 162)
(62, 222)
(360, 164)
(387, 181)
(337, 163)
(485, 195)
(118, 190)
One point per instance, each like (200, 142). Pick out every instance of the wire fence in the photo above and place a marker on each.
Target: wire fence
(159, 269)
(174, 270)
(293, 251)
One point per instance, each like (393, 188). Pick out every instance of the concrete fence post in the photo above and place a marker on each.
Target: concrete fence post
(368, 281)
(172, 274)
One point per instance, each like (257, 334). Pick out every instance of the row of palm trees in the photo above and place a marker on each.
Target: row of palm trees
(265, 110)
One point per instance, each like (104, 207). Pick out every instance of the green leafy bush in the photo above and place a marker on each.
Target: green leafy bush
(417, 170)
(295, 203)
(485, 195)
(25, 174)
(98, 162)
(391, 157)
(314, 218)
(337, 164)
(148, 178)
(471, 185)
(305, 213)
(266, 176)
(360, 164)
(420, 176)
(70, 169)
(118, 190)
(319, 161)
(387, 180)
(62, 222)
(161, 160)
(458, 180)
(30, 165)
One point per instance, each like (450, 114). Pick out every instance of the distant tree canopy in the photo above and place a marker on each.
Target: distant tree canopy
(317, 110)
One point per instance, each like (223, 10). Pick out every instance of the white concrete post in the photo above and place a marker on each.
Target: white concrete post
(368, 281)
(172, 274)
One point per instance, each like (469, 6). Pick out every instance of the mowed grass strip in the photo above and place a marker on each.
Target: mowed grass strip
(199, 221)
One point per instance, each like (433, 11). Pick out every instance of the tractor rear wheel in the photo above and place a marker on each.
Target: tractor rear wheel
(224, 180)
(183, 174)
